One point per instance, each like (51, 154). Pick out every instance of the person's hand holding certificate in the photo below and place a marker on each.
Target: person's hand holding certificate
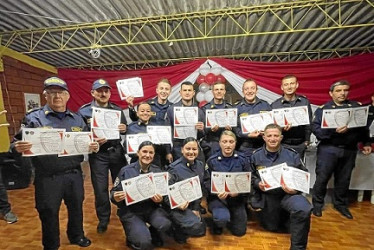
(44, 141)
(184, 191)
(139, 188)
(130, 87)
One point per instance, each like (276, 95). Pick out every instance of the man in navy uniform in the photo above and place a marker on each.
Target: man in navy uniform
(111, 156)
(213, 133)
(336, 152)
(187, 93)
(296, 137)
(280, 204)
(159, 104)
(250, 104)
(56, 178)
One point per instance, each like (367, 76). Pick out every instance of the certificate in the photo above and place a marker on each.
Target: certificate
(255, 122)
(231, 182)
(351, 117)
(44, 141)
(139, 188)
(105, 118)
(271, 176)
(296, 179)
(76, 143)
(105, 133)
(161, 182)
(371, 129)
(185, 116)
(159, 134)
(184, 132)
(221, 117)
(133, 142)
(295, 116)
(186, 190)
(130, 87)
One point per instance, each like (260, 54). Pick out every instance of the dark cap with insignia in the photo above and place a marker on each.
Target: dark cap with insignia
(55, 81)
(99, 83)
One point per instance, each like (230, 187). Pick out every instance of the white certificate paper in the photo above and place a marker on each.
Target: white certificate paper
(351, 117)
(296, 179)
(221, 117)
(133, 142)
(76, 143)
(105, 118)
(255, 122)
(186, 190)
(185, 116)
(184, 132)
(159, 134)
(105, 133)
(271, 176)
(295, 116)
(139, 188)
(44, 141)
(161, 182)
(130, 87)
(230, 182)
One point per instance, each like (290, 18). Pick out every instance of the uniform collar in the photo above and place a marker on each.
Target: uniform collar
(244, 101)
(297, 98)
(139, 122)
(187, 164)
(346, 104)
(139, 168)
(47, 111)
(220, 155)
(268, 153)
(93, 104)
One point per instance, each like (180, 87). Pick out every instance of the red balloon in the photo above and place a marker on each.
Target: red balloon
(210, 78)
(221, 79)
(202, 103)
(200, 79)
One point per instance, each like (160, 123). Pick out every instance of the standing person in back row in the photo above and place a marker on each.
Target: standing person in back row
(111, 156)
(336, 152)
(250, 105)
(296, 137)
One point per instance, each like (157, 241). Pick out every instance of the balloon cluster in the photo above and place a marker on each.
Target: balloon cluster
(208, 76)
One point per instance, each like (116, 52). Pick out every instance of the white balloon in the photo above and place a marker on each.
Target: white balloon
(216, 70)
(200, 96)
(208, 96)
(204, 87)
(204, 69)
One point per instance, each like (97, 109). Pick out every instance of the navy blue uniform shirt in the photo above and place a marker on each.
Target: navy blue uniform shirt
(299, 134)
(128, 172)
(158, 111)
(45, 117)
(180, 170)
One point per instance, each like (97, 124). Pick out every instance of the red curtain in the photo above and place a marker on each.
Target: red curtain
(314, 77)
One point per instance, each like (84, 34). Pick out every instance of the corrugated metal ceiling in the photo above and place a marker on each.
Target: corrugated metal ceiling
(141, 33)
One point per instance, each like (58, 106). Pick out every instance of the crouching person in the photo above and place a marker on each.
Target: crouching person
(282, 208)
(186, 218)
(134, 218)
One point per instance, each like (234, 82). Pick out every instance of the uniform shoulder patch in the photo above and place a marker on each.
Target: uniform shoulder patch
(33, 110)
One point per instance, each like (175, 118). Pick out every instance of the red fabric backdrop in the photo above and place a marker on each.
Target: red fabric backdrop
(314, 77)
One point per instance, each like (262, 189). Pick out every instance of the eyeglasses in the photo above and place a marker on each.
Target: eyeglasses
(57, 92)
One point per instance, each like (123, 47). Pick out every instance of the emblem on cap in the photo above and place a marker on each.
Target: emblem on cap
(101, 81)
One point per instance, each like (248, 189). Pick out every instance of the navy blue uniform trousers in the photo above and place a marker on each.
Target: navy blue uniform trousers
(49, 193)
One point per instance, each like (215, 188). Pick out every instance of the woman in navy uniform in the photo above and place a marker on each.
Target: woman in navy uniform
(186, 218)
(134, 217)
(163, 152)
(57, 178)
(225, 207)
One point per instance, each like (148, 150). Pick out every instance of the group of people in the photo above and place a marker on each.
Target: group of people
(216, 149)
